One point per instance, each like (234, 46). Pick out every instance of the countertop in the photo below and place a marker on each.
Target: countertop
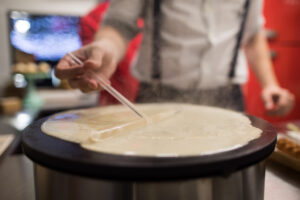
(16, 175)
(281, 183)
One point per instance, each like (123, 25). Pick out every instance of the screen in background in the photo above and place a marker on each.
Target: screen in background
(46, 37)
(42, 38)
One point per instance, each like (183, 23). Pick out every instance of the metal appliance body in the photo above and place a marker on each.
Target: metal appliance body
(246, 184)
(65, 171)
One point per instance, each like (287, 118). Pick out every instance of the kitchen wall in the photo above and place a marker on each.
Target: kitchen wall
(76, 7)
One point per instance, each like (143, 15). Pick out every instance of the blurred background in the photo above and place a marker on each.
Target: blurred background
(36, 34)
(282, 28)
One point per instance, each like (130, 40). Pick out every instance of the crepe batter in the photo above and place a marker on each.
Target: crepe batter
(176, 130)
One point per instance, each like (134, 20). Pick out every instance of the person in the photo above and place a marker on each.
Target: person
(122, 80)
(192, 51)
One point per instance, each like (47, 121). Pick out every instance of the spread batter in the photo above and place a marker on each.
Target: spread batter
(175, 130)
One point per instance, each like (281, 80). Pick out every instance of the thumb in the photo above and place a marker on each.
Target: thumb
(268, 101)
(95, 57)
(92, 64)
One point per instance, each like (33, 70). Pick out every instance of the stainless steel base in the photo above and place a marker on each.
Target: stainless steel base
(247, 184)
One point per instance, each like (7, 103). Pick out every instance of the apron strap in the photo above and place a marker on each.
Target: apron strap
(156, 70)
(239, 41)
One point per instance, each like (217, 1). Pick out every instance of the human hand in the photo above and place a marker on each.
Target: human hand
(278, 101)
(96, 57)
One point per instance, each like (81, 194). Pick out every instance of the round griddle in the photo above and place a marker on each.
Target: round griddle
(69, 157)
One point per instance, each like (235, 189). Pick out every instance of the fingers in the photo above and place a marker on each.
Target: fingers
(85, 85)
(69, 73)
(268, 101)
(109, 68)
(104, 64)
(285, 103)
(66, 69)
(96, 60)
(92, 65)
(94, 69)
(282, 100)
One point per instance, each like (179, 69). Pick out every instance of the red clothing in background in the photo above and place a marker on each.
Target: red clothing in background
(122, 80)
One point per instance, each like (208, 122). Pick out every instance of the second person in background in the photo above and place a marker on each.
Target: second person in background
(192, 51)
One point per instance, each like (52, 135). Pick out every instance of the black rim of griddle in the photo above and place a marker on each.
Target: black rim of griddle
(70, 158)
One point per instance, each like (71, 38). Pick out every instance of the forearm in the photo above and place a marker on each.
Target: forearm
(258, 55)
(112, 40)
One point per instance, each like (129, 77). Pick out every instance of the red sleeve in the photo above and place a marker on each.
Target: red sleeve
(122, 79)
